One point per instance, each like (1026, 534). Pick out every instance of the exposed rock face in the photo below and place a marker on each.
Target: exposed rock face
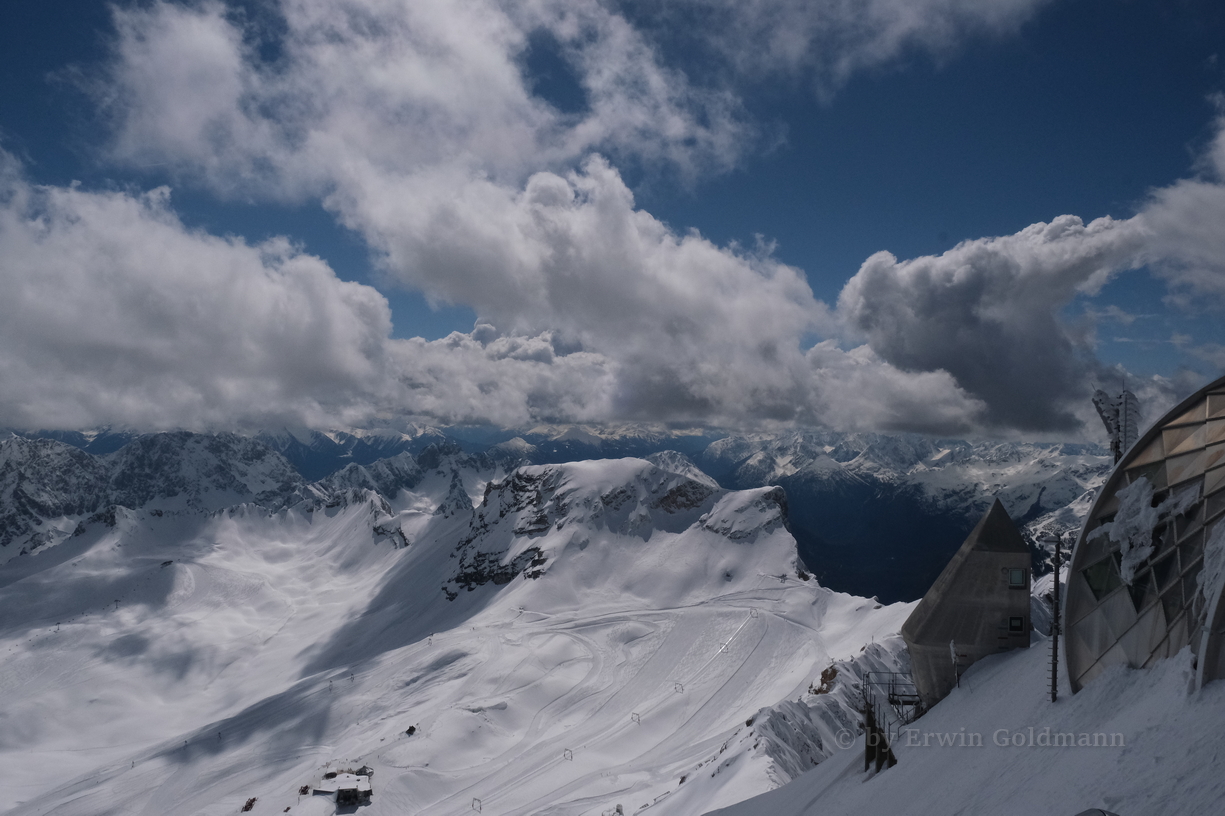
(41, 479)
(200, 472)
(47, 488)
(535, 500)
(316, 454)
(386, 476)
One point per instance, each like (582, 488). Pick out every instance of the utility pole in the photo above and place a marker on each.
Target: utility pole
(1055, 621)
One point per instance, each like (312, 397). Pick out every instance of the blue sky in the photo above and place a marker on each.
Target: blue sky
(797, 139)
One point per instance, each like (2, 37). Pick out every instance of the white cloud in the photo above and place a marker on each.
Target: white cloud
(417, 127)
(1186, 236)
(1112, 313)
(1213, 353)
(827, 41)
(986, 312)
(696, 327)
(857, 390)
(114, 312)
(380, 88)
(416, 124)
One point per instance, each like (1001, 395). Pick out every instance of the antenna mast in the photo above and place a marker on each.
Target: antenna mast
(1121, 416)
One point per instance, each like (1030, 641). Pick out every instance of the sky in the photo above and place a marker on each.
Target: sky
(952, 217)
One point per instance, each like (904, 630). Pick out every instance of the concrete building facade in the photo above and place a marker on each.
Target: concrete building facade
(978, 606)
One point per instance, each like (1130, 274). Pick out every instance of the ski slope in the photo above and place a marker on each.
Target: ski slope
(1157, 752)
(274, 646)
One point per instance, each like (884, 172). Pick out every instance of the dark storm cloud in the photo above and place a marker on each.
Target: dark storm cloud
(987, 312)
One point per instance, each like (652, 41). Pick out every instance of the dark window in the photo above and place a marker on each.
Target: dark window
(1102, 577)
(1190, 549)
(1016, 624)
(1016, 578)
(1165, 571)
(1142, 591)
(1172, 603)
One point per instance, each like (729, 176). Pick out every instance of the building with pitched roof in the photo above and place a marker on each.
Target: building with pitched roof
(978, 606)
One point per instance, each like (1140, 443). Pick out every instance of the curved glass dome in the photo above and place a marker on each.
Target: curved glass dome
(1134, 594)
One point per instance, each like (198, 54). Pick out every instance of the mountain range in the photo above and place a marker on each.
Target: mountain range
(873, 515)
(189, 622)
(531, 638)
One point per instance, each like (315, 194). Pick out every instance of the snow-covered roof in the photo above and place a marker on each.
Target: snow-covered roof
(344, 781)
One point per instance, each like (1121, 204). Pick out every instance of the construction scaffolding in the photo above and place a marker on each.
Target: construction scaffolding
(891, 701)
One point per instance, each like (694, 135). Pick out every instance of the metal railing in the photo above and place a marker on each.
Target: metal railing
(891, 701)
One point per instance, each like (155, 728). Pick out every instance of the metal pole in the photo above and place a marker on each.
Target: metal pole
(1055, 621)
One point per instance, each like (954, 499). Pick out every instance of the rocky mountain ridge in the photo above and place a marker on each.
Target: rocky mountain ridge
(873, 514)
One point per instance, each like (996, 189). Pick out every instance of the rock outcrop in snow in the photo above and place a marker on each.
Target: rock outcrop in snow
(48, 488)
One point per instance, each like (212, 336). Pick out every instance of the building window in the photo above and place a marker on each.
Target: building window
(1103, 577)
(1016, 624)
(1016, 578)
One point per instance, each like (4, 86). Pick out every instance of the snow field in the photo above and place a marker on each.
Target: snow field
(277, 645)
(1167, 762)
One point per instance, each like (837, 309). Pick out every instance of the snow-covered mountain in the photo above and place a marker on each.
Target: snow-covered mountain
(42, 481)
(194, 623)
(881, 515)
(317, 454)
(558, 639)
(553, 444)
(876, 515)
(49, 488)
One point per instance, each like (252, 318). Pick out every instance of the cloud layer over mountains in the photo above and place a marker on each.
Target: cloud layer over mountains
(416, 125)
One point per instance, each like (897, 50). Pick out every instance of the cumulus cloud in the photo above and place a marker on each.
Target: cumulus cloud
(417, 125)
(367, 88)
(989, 311)
(510, 382)
(374, 88)
(698, 328)
(115, 312)
(986, 312)
(857, 390)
